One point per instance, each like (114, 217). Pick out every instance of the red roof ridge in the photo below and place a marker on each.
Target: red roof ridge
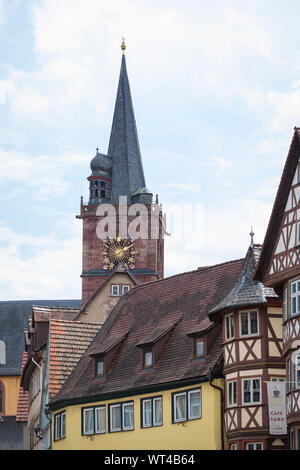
(184, 273)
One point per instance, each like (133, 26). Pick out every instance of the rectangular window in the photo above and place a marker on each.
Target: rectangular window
(100, 416)
(60, 426)
(229, 327)
(284, 304)
(102, 193)
(296, 370)
(231, 393)
(251, 391)
(99, 367)
(199, 348)
(249, 323)
(125, 289)
(297, 234)
(94, 420)
(288, 375)
(121, 417)
(186, 405)
(115, 289)
(148, 358)
(233, 447)
(254, 446)
(295, 297)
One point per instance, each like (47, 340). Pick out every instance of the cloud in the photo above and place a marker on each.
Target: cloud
(50, 269)
(219, 163)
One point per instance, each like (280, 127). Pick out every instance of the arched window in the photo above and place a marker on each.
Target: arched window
(2, 352)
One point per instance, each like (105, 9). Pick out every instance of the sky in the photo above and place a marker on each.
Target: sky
(216, 92)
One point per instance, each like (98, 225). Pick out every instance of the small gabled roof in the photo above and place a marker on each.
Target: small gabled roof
(156, 334)
(279, 207)
(246, 291)
(120, 268)
(68, 340)
(146, 309)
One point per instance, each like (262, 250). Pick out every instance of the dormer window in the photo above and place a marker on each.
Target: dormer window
(199, 347)
(148, 358)
(99, 367)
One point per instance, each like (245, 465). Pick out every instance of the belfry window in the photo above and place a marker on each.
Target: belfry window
(96, 192)
(102, 193)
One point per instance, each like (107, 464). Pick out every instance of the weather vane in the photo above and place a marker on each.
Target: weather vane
(252, 236)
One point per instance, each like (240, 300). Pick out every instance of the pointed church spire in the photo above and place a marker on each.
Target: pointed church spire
(127, 173)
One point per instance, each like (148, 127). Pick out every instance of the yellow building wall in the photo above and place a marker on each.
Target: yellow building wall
(198, 434)
(11, 390)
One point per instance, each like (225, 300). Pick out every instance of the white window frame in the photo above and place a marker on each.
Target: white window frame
(230, 393)
(295, 369)
(229, 327)
(152, 402)
(85, 411)
(117, 293)
(125, 288)
(198, 341)
(99, 430)
(297, 241)
(243, 312)
(111, 407)
(294, 295)
(191, 392)
(121, 407)
(233, 446)
(188, 416)
(251, 402)
(124, 406)
(288, 375)
(60, 426)
(255, 444)
(157, 423)
(99, 361)
(285, 310)
(148, 354)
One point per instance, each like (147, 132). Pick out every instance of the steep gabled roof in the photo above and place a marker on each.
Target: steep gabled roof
(246, 291)
(186, 297)
(279, 206)
(68, 340)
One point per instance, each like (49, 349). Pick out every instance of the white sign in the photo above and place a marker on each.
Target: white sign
(277, 408)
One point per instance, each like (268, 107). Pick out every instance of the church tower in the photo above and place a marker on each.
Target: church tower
(118, 197)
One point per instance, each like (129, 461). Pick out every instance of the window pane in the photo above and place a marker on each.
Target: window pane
(244, 323)
(148, 359)
(195, 404)
(100, 419)
(254, 323)
(180, 407)
(147, 413)
(57, 427)
(157, 410)
(247, 391)
(128, 416)
(298, 439)
(256, 390)
(294, 309)
(199, 348)
(63, 424)
(115, 418)
(88, 427)
(100, 368)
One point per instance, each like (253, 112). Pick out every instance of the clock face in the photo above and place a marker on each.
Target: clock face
(119, 250)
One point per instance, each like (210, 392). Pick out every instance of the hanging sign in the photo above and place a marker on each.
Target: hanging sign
(277, 408)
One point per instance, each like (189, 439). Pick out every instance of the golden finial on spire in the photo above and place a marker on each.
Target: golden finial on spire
(123, 45)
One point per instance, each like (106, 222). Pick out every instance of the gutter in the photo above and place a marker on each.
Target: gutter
(211, 378)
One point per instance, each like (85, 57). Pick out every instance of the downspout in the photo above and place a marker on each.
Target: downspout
(210, 376)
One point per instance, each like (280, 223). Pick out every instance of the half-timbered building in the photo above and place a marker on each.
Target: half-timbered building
(279, 267)
(251, 318)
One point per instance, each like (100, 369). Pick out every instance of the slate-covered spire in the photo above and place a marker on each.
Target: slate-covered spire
(127, 173)
(246, 291)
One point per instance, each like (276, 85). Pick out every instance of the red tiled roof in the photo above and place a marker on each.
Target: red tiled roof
(187, 297)
(22, 410)
(68, 341)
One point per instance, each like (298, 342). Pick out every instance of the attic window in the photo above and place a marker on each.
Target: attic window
(125, 289)
(99, 363)
(148, 358)
(199, 347)
(115, 290)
